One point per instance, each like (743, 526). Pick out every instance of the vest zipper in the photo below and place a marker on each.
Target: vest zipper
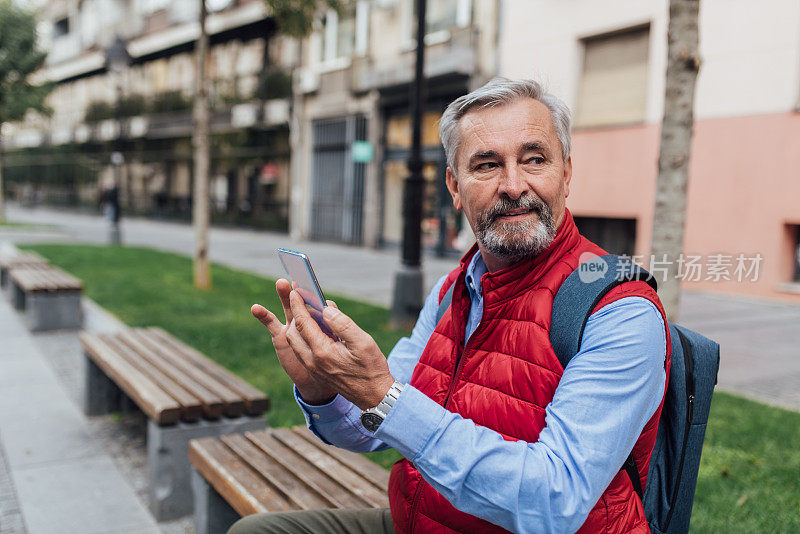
(452, 388)
(688, 359)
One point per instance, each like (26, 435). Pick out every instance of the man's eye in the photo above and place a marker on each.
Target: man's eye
(486, 166)
(535, 160)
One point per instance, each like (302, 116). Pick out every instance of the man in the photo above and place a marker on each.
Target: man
(496, 435)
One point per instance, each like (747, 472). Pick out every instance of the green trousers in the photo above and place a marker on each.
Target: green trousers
(335, 521)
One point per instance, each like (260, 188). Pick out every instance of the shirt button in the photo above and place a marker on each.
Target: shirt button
(315, 416)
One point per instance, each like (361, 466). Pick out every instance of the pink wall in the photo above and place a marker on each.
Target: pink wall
(744, 188)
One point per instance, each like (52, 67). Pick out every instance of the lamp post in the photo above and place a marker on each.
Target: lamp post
(408, 291)
(117, 60)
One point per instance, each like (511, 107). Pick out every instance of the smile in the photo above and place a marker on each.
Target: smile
(512, 214)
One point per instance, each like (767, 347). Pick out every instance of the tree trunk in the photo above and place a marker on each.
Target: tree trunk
(202, 157)
(2, 197)
(669, 218)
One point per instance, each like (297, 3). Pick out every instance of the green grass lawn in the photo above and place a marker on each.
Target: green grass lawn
(8, 225)
(750, 470)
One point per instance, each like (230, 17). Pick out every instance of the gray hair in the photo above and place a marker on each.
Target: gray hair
(498, 92)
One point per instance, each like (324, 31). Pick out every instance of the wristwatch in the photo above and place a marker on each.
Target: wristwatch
(373, 417)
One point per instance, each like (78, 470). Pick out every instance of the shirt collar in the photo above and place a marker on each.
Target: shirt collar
(475, 270)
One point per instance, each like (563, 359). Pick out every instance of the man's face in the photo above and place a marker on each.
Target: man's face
(510, 179)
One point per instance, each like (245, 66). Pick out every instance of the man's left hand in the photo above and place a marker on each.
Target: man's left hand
(354, 367)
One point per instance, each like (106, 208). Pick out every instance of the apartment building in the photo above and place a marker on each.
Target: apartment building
(352, 129)
(607, 60)
(133, 124)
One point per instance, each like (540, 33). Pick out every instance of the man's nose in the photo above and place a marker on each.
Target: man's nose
(512, 185)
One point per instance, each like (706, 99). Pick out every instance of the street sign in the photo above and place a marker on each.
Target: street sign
(362, 151)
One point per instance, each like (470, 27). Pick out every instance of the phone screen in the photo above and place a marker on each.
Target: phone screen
(298, 267)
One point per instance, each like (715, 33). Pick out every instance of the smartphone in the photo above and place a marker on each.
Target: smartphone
(298, 268)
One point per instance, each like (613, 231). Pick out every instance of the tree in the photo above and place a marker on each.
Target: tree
(19, 58)
(202, 157)
(294, 18)
(669, 218)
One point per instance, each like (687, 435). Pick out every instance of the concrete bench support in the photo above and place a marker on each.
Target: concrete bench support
(168, 465)
(212, 513)
(100, 394)
(51, 311)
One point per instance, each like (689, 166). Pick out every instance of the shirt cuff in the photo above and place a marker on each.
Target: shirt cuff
(315, 415)
(411, 422)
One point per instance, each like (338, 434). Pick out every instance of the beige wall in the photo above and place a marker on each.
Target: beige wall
(750, 50)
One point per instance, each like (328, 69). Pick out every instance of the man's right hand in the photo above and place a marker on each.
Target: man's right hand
(312, 391)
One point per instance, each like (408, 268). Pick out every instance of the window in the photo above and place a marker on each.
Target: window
(61, 27)
(442, 15)
(617, 236)
(345, 34)
(613, 87)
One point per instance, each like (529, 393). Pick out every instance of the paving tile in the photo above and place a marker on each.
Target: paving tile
(27, 370)
(43, 437)
(81, 497)
(11, 521)
(26, 400)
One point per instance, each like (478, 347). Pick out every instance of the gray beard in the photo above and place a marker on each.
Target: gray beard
(516, 240)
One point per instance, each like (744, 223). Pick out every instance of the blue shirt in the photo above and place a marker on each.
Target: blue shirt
(606, 395)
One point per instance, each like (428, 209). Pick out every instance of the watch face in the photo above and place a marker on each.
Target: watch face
(371, 421)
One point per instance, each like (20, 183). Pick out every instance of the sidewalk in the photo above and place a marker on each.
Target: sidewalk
(56, 476)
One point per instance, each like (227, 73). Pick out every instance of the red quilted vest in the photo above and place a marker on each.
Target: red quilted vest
(505, 377)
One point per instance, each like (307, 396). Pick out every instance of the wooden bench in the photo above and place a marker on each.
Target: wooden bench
(184, 394)
(22, 259)
(49, 297)
(275, 470)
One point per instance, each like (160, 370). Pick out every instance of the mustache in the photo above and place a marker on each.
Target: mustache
(504, 205)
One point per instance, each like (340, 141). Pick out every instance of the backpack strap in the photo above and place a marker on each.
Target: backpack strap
(573, 304)
(445, 302)
(580, 293)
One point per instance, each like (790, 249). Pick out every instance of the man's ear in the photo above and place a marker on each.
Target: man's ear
(567, 176)
(452, 186)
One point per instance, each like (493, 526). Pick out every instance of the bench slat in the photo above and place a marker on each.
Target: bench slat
(212, 405)
(325, 461)
(191, 408)
(152, 400)
(244, 490)
(369, 470)
(255, 400)
(23, 258)
(233, 403)
(333, 492)
(304, 496)
(46, 278)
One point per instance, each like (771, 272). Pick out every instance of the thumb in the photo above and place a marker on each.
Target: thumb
(343, 326)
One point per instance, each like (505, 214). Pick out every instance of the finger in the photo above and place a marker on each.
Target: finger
(344, 327)
(299, 346)
(267, 318)
(331, 303)
(306, 325)
(284, 288)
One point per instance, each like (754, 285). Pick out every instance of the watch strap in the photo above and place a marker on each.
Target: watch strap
(383, 407)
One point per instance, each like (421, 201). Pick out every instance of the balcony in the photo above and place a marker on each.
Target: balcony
(255, 114)
(456, 54)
